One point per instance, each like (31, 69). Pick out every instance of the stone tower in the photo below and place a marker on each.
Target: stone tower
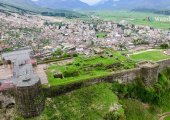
(149, 72)
(28, 97)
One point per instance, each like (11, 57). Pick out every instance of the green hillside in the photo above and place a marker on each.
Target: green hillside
(19, 5)
(132, 17)
(26, 6)
(90, 103)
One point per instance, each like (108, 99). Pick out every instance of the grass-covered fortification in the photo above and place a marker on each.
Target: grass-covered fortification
(135, 101)
(149, 55)
(84, 67)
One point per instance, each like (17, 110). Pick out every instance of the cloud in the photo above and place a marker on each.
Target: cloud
(35, 0)
(91, 2)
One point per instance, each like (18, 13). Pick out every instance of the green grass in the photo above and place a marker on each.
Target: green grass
(88, 68)
(167, 118)
(138, 18)
(154, 55)
(101, 35)
(90, 103)
(135, 110)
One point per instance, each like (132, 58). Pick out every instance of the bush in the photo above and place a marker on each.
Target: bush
(77, 64)
(164, 46)
(114, 116)
(136, 90)
(75, 55)
(71, 72)
(58, 52)
(65, 55)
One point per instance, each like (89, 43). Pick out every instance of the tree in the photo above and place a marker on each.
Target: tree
(164, 46)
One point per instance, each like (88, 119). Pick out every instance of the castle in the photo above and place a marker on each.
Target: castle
(26, 84)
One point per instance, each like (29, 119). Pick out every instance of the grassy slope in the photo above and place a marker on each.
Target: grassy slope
(136, 110)
(21, 6)
(154, 55)
(167, 118)
(94, 102)
(90, 103)
(132, 17)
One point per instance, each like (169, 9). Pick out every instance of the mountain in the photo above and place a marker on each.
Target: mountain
(28, 6)
(62, 4)
(131, 4)
(20, 6)
(105, 4)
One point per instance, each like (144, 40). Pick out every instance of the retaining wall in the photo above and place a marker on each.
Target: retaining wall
(163, 64)
(148, 74)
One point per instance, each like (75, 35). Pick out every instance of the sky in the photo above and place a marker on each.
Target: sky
(90, 2)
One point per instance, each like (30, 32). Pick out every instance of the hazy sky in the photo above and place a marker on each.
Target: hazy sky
(90, 2)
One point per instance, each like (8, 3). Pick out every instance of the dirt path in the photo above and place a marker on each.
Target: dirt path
(145, 51)
(164, 115)
(41, 73)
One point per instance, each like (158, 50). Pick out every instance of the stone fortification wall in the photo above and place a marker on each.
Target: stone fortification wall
(149, 72)
(29, 100)
(125, 76)
(163, 64)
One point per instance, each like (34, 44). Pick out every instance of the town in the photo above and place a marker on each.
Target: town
(46, 35)
(44, 60)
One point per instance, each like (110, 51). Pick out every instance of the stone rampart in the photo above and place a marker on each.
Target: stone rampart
(148, 71)
(163, 64)
(29, 100)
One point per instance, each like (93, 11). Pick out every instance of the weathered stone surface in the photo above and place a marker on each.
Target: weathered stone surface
(149, 72)
(29, 100)
(163, 64)
(6, 100)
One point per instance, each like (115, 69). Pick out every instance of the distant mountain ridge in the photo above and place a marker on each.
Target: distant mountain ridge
(106, 4)
(28, 6)
(56, 7)
(62, 4)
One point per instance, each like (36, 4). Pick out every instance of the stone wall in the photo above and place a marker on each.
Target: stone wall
(6, 99)
(29, 100)
(163, 64)
(146, 70)
(149, 74)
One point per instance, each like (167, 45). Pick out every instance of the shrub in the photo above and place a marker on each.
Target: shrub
(71, 72)
(114, 116)
(57, 52)
(75, 55)
(77, 64)
(164, 46)
(65, 55)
